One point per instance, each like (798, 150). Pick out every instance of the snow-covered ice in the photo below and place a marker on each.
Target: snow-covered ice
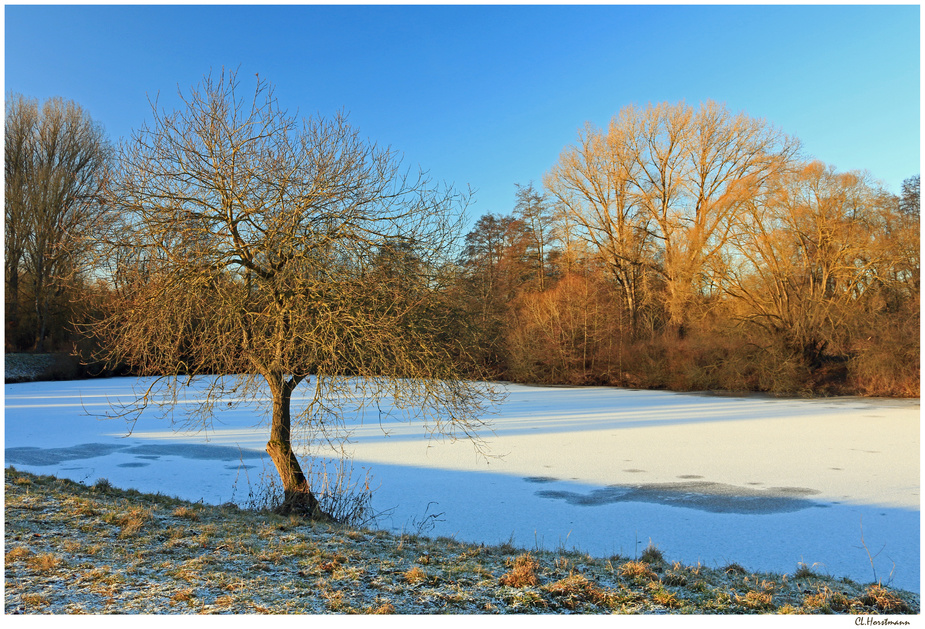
(768, 483)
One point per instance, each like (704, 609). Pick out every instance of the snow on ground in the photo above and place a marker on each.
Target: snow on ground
(768, 483)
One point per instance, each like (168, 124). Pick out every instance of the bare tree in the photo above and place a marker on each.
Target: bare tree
(593, 185)
(271, 253)
(808, 254)
(56, 164)
(659, 191)
(20, 124)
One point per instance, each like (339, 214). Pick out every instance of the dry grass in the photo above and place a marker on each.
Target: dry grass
(522, 574)
(637, 570)
(575, 589)
(130, 522)
(884, 600)
(756, 600)
(186, 512)
(665, 597)
(16, 553)
(415, 575)
(827, 601)
(46, 562)
(153, 554)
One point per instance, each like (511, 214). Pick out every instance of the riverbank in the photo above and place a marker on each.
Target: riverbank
(74, 548)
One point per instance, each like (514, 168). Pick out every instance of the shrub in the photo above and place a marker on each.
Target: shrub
(735, 568)
(803, 572)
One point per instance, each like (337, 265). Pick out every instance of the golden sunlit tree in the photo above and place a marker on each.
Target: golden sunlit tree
(592, 183)
(659, 190)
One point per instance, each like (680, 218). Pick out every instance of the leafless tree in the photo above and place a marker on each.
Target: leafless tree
(658, 192)
(593, 185)
(809, 254)
(56, 159)
(271, 253)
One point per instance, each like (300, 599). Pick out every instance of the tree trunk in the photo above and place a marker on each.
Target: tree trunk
(12, 303)
(298, 497)
(41, 316)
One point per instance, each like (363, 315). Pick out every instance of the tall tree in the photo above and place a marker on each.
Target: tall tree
(659, 191)
(271, 254)
(534, 212)
(592, 183)
(56, 164)
(21, 122)
(494, 269)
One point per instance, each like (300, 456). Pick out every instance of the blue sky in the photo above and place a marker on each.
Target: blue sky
(489, 96)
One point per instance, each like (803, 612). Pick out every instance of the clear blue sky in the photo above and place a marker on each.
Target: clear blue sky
(489, 96)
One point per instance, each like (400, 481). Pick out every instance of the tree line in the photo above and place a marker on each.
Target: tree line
(693, 248)
(680, 247)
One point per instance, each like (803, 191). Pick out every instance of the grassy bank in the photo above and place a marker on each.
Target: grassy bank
(72, 548)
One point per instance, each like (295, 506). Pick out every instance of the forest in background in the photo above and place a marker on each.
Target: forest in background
(685, 248)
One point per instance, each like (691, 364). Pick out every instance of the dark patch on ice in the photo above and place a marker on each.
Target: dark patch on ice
(634, 470)
(686, 476)
(151, 457)
(133, 465)
(700, 495)
(240, 467)
(540, 479)
(55, 456)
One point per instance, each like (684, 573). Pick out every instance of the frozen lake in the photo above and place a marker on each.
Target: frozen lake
(767, 483)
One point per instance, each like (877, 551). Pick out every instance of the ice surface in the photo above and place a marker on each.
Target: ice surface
(767, 483)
